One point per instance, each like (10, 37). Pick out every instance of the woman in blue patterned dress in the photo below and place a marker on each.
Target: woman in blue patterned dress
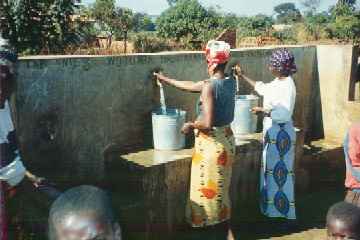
(277, 169)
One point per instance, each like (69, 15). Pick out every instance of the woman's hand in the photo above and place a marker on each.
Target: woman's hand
(257, 110)
(160, 77)
(238, 71)
(186, 129)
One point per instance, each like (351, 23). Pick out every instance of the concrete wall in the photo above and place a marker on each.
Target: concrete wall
(70, 108)
(337, 76)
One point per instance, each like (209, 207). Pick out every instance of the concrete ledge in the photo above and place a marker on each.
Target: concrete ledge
(160, 180)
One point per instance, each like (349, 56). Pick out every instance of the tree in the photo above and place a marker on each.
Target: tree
(311, 6)
(62, 10)
(142, 22)
(104, 12)
(342, 9)
(346, 27)
(287, 13)
(124, 21)
(345, 21)
(317, 24)
(33, 26)
(84, 26)
(228, 21)
(29, 26)
(255, 26)
(346, 2)
(8, 21)
(186, 18)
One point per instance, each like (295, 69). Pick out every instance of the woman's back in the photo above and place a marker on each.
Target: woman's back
(224, 101)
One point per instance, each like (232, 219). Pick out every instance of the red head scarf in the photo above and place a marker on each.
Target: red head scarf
(217, 52)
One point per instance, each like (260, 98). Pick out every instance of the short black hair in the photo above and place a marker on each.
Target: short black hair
(81, 199)
(347, 213)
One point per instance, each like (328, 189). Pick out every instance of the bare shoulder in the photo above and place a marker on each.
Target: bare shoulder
(207, 87)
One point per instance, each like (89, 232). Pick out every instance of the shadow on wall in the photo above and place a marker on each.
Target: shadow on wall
(316, 131)
(354, 89)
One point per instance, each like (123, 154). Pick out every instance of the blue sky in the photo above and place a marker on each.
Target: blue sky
(240, 7)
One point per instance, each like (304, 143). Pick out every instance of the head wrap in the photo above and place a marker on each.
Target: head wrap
(217, 52)
(283, 61)
(7, 56)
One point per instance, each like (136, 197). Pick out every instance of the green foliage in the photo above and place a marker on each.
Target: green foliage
(8, 20)
(228, 20)
(123, 20)
(287, 13)
(287, 36)
(345, 21)
(113, 20)
(342, 10)
(142, 22)
(85, 32)
(185, 18)
(316, 25)
(346, 27)
(149, 42)
(104, 13)
(84, 26)
(346, 2)
(255, 26)
(33, 26)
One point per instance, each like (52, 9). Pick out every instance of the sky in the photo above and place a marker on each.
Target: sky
(239, 7)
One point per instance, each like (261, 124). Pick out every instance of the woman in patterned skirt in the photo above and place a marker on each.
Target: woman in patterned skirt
(209, 203)
(277, 168)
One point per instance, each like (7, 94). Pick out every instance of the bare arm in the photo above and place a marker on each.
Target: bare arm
(207, 119)
(240, 75)
(189, 86)
(34, 179)
(249, 80)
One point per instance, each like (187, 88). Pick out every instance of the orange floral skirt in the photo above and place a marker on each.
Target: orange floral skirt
(211, 168)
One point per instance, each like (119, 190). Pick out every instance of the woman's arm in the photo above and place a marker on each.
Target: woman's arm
(183, 85)
(249, 80)
(207, 117)
(240, 75)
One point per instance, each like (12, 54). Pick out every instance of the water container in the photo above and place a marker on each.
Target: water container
(245, 122)
(167, 129)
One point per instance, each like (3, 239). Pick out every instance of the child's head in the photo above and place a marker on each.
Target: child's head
(83, 213)
(282, 63)
(343, 222)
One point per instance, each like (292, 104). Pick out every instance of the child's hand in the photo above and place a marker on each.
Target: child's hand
(35, 180)
(238, 71)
